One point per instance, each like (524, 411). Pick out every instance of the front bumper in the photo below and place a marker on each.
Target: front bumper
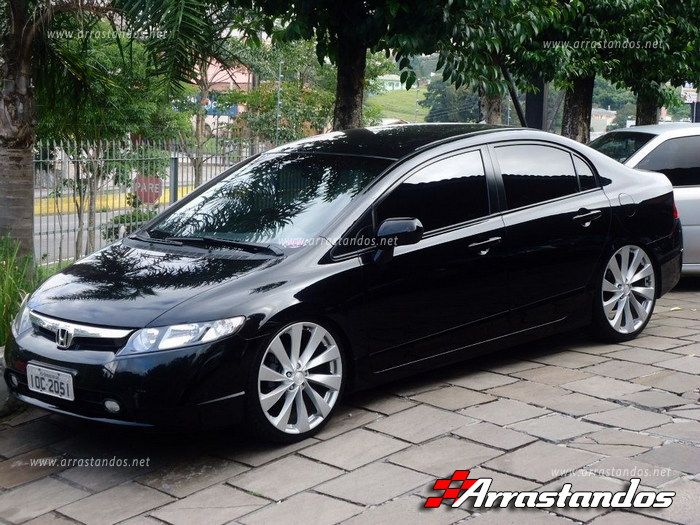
(185, 387)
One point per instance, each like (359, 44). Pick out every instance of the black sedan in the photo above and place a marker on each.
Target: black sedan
(342, 261)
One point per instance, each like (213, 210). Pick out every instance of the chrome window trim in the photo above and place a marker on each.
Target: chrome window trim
(78, 330)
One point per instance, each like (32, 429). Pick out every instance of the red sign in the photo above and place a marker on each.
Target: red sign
(148, 189)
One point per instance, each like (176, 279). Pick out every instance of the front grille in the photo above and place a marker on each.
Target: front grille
(81, 337)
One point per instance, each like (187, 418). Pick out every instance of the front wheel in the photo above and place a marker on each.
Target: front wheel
(626, 296)
(296, 382)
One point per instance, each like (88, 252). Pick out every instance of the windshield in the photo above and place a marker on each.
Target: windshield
(275, 199)
(621, 145)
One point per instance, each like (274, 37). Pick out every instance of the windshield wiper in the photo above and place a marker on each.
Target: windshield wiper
(154, 240)
(243, 245)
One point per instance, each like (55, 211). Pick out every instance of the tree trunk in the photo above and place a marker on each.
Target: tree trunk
(647, 109)
(17, 196)
(491, 109)
(200, 139)
(349, 92)
(578, 103)
(16, 129)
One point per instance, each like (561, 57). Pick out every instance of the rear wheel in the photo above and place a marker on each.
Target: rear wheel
(296, 382)
(627, 294)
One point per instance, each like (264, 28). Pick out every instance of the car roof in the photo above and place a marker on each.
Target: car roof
(677, 129)
(391, 142)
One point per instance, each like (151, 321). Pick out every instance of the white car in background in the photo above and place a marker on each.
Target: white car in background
(674, 150)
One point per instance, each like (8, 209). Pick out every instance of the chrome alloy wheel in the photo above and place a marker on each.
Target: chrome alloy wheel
(300, 377)
(629, 289)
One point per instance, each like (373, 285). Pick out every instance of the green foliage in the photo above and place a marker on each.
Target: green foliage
(448, 104)
(406, 28)
(371, 114)
(626, 112)
(669, 34)
(179, 34)
(130, 222)
(606, 95)
(488, 35)
(118, 96)
(17, 278)
(303, 110)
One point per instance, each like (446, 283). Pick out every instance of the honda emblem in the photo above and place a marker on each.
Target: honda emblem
(64, 338)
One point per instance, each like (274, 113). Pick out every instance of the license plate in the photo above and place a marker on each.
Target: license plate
(50, 382)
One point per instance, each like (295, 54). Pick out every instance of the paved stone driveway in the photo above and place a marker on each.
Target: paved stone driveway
(536, 416)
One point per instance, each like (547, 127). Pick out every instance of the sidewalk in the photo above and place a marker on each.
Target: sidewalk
(563, 410)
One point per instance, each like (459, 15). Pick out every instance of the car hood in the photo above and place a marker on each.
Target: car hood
(129, 286)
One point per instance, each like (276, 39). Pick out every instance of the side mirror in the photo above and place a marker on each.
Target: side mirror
(393, 233)
(399, 232)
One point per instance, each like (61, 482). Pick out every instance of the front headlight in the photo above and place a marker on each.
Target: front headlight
(179, 335)
(21, 322)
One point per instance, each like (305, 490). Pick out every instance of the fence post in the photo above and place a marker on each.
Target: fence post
(174, 175)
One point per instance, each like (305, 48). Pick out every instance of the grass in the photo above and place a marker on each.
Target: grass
(401, 104)
(18, 277)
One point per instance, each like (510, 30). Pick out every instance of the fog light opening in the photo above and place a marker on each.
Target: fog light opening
(112, 406)
(14, 380)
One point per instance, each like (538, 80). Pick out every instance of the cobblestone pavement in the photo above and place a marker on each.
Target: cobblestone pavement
(535, 416)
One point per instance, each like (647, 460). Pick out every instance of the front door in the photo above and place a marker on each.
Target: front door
(448, 291)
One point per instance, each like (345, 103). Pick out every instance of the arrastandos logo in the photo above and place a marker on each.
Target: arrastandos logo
(459, 490)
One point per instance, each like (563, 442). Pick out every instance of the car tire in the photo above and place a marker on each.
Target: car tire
(296, 381)
(624, 294)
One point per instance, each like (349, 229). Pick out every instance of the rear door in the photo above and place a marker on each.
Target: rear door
(679, 159)
(557, 221)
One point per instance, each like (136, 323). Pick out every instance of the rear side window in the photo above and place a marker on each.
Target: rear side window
(534, 173)
(586, 179)
(621, 145)
(678, 159)
(447, 192)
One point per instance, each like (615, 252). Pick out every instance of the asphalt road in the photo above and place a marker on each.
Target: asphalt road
(48, 232)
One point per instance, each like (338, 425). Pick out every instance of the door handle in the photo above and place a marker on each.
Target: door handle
(483, 247)
(586, 217)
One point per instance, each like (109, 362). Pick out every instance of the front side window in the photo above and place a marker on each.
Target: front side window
(534, 173)
(275, 199)
(678, 159)
(621, 145)
(445, 193)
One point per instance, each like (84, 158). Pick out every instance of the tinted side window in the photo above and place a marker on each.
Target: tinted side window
(359, 237)
(678, 159)
(533, 173)
(447, 192)
(586, 179)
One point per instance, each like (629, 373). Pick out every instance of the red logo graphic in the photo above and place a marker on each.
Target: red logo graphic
(449, 492)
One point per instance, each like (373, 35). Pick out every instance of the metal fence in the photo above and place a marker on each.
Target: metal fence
(87, 195)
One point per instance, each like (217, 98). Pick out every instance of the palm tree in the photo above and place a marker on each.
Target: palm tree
(177, 33)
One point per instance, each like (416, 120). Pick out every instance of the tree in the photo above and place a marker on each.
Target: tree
(94, 119)
(448, 104)
(490, 40)
(302, 110)
(609, 96)
(175, 33)
(345, 31)
(306, 94)
(666, 50)
(623, 114)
